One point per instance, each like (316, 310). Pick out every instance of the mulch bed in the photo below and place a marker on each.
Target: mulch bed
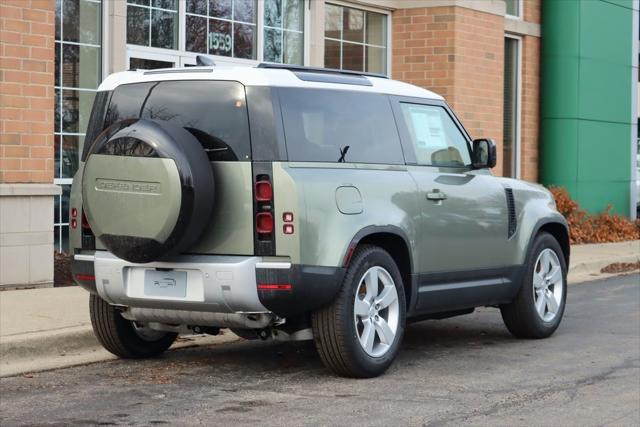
(62, 269)
(621, 267)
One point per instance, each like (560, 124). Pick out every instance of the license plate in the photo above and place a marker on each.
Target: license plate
(171, 284)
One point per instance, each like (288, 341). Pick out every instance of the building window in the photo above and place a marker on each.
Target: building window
(77, 76)
(262, 30)
(284, 31)
(514, 8)
(153, 23)
(355, 39)
(223, 28)
(511, 124)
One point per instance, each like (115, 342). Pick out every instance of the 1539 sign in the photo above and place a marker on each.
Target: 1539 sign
(219, 42)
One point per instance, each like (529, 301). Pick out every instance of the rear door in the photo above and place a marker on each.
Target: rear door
(463, 226)
(215, 112)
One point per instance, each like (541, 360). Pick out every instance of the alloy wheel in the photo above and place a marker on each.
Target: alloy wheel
(548, 285)
(376, 311)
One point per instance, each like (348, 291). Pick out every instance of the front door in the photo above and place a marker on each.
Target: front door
(464, 222)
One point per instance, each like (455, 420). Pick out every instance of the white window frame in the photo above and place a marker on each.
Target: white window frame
(58, 134)
(358, 6)
(520, 14)
(181, 56)
(517, 143)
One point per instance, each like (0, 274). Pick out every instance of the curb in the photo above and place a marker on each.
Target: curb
(42, 351)
(590, 268)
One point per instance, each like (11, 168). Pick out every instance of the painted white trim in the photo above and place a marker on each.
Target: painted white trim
(181, 56)
(306, 37)
(389, 29)
(105, 40)
(633, 189)
(520, 15)
(517, 146)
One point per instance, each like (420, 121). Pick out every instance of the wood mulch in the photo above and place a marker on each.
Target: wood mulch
(62, 269)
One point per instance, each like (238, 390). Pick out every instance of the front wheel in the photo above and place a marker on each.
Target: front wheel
(538, 308)
(123, 337)
(359, 334)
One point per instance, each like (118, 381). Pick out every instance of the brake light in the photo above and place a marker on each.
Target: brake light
(264, 191)
(264, 223)
(274, 287)
(85, 277)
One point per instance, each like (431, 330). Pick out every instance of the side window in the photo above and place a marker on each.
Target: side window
(436, 139)
(339, 126)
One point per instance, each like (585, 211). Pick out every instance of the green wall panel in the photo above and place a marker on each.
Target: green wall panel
(563, 88)
(561, 160)
(604, 92)
(599, 151)
(586, 100)
(600, 24)
(593, 194)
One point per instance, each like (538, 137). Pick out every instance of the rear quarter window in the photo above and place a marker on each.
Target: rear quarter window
(215, 112)
(339, 126)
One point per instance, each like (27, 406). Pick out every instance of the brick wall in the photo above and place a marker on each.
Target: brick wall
(530, 104)
(532, 10)
(459, 54)
(26, 91)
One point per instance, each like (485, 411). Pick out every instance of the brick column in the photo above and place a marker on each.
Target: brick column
(27, 64)
(458, 53)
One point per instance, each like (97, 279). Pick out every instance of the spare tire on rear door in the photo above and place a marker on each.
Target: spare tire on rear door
(147, 189)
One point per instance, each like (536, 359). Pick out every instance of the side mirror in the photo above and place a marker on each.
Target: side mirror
(484, 153)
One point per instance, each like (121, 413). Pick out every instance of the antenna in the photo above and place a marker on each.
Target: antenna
(204, 61)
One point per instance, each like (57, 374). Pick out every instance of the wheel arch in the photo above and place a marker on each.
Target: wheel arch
(559, 230)
(395, 242)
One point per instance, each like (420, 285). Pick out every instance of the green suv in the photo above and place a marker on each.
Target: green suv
(296, 203)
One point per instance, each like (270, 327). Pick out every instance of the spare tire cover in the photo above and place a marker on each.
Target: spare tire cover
(147, 189)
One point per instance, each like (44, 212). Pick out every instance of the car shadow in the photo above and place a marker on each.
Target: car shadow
(423, 341)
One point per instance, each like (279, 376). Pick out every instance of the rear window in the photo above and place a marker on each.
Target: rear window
(215, 112)
(339, 126)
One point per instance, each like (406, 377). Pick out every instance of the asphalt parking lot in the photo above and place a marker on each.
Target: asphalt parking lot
(465, 370)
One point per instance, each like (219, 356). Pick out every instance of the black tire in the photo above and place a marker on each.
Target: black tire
(520, 316)
(118, 335)
(334, 330)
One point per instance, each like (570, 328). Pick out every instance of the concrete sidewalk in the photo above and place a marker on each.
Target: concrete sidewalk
(43, 329)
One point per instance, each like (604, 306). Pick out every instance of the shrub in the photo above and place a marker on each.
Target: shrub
(601, 228)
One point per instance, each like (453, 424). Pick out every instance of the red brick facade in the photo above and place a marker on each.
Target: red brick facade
(459, 53)
(26, 91)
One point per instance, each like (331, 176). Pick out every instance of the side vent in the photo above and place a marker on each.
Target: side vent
(511, 208)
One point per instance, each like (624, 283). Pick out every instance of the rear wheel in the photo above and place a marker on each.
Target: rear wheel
(359, 333)
(123, 337)
(538, 308)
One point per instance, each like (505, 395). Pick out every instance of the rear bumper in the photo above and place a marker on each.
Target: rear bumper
(215, 284)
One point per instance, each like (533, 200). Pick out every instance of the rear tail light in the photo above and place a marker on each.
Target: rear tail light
(264, 223)
(264, 191)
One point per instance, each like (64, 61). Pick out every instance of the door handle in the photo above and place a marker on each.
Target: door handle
(436, 195)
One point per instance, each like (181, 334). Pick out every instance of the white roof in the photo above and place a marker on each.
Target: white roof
(252, 76)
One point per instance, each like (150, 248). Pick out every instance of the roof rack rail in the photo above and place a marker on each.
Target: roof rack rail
(300, 68)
